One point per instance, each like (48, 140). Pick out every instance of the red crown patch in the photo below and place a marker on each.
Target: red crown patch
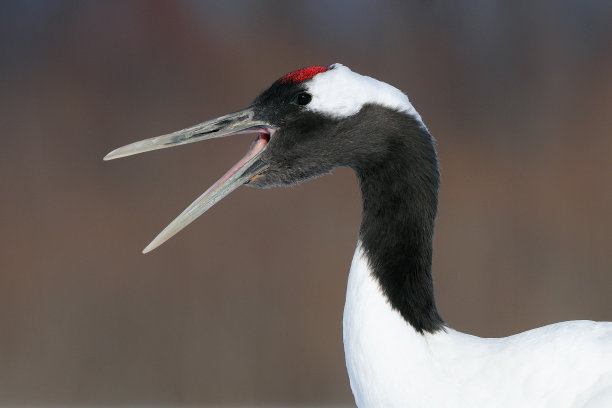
(303, 74)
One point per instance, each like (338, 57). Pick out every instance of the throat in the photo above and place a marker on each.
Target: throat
(400, 195)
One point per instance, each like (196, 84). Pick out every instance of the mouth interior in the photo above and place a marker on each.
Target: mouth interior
(256, 148)
(264, 135)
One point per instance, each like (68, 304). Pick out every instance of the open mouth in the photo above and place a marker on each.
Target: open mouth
(244, 171)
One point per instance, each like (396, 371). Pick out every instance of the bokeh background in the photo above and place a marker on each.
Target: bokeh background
(245, 306)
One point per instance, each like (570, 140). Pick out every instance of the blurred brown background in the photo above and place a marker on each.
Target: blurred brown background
(245, 306)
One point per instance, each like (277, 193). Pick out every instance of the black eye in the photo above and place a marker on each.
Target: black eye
(303, 98)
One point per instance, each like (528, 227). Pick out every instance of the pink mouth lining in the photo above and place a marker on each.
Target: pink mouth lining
(261, 142)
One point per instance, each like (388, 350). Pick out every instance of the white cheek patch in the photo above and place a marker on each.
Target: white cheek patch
(341, 92)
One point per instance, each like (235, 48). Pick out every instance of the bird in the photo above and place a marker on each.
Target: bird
(399, 351)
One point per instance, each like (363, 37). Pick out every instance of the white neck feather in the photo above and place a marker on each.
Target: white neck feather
(391, 365)
(384, 354)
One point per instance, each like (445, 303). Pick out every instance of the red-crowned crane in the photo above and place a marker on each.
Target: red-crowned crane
(399, 352)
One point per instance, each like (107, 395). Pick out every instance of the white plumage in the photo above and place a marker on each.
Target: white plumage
(391, 365)
(341, 93)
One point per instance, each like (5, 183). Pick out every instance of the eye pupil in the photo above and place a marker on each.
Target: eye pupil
(303, 98)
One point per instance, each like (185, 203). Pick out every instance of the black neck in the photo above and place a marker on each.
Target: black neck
(400, 198)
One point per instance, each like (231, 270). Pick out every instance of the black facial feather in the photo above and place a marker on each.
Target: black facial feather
(394, 158)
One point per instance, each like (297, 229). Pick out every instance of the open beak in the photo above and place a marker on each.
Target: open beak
(248, 168)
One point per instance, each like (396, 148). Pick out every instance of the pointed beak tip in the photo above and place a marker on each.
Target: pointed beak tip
(152, 245)
(112, 155)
